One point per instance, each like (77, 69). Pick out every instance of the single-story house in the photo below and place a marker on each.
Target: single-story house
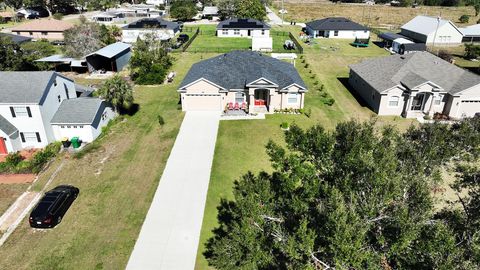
(108, 17)
(243, 79)
(113, 57)
(415, 85)
(16, 38)
(471, 33)
(42, 29)
(209, 12)
(242, 28)
(30, 104)
(162, 29)
(337, 27)
(432, 30)
(81, 117)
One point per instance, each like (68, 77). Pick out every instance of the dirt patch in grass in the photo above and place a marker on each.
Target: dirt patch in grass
(377, 16)
(9, 193)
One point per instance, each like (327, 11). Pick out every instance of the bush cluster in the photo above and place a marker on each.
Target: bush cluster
(15, 163)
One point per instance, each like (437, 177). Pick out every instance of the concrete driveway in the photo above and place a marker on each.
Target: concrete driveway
(170, 233)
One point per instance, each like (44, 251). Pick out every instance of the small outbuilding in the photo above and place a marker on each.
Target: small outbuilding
(113, 57)
(81, 117)
(471, 34)
(337, 27)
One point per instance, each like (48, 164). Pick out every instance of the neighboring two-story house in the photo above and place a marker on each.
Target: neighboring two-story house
(242, 80)
(28, 103)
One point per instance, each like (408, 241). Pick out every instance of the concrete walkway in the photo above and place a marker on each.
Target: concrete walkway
(170, 233)
(273, 18)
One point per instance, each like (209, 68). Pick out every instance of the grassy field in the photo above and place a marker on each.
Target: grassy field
(9, 193)
(207, 41)
(375, 16)
(117, 181)
(236, 152)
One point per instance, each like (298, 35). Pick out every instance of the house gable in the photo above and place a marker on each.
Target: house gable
(201, 86)
(262, 82)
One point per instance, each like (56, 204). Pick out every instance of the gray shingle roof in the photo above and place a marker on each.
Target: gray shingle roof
(237, 23)
(152, 23)
(236, 69)
(82, 110)
(25, 86)
(15, 38)
(335, 23)
(7, 127)
(414, 69)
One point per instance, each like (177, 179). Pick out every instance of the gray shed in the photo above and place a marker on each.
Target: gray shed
(113, 57)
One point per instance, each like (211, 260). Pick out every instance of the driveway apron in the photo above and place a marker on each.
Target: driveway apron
(171, 231)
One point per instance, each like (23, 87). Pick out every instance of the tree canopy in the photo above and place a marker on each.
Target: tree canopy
(82, 39)
(354, 198)
(183, 10)
(118, 92)
(14, 57)
(254, 9)
(150, 61)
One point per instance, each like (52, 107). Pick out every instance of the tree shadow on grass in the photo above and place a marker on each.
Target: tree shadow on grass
(132, 110)
(358, 98)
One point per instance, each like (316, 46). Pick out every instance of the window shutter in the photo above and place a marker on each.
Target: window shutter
(29, 112)
(13, 112)
(22, 136)
(38, 137)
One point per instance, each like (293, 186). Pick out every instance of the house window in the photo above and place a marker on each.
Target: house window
(30, 136)
(31, 33)
(417, 103)
(44, 33)
(263, 32)
(59, 98)
(68, 126)
(18, 33)
(292, 98)
(80, 126)
(236, 32)
(239, 98)
(74, 126)
(224, 32)
(62, 126)
(335, 33)
(438, 100)
(21, 112)
(104, 115)
(393, 101)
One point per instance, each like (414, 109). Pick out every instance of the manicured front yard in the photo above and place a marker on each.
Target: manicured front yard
(117, 181)
(241, 144)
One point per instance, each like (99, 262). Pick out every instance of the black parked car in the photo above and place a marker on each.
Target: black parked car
(52, 207)
(183, 38)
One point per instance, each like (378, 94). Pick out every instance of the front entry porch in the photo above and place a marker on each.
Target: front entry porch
(422, 104)
(260, 101)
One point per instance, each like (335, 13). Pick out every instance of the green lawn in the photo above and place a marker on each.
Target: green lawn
(241, 144)
(207, 41)
(117, 182)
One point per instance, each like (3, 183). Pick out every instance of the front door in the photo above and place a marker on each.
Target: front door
(261, 97)
(3, 147)
(249, 32)
(418, 102)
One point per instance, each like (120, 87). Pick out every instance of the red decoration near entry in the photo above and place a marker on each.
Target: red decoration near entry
(259, 102)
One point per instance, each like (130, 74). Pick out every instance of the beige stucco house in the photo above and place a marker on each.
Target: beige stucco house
(242, 79)
(415, 85)
(43, 29)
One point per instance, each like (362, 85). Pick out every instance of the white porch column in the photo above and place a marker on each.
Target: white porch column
(409, 105)
(270, 94)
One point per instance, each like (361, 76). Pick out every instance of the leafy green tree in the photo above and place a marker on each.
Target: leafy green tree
(150, 61)
(472, 51)
(109, 34)
(226, 9)
(35, 50)
(183, 10)
(10, 55)
(250, 9)
(118, 92)
(464, 18)
(82, 39)
(354, 198)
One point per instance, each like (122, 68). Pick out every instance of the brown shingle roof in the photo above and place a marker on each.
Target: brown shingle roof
(48, 25)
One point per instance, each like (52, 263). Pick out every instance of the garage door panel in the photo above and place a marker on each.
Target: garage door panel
(202, 102)
(468, 108)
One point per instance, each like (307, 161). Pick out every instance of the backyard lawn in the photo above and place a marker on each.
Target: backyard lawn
(117, 181)
(241, 144)
(207, 41)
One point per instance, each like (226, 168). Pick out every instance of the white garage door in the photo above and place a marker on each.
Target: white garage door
(468, 108)
(202, 102)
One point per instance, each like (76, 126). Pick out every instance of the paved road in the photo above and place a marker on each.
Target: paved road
(273, 18)
(171, 231)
